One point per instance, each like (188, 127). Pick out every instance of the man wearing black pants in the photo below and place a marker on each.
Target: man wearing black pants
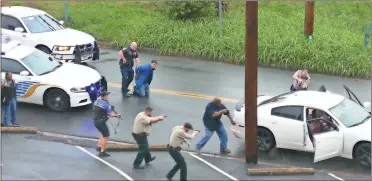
(127, 56)
(102, 112)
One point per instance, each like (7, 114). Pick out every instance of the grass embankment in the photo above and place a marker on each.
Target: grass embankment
(337, 47)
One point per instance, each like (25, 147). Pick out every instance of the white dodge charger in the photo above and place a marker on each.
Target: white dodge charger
(327, 124)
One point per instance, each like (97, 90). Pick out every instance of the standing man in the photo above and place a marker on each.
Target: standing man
(127, 56)
(178, 137)
(141, 129)
(102, 112)
(9, 100)
(212, 123)
(144, 75)
(299, 78)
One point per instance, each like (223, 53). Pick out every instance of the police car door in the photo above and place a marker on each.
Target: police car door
(23, 83)
(9, 25)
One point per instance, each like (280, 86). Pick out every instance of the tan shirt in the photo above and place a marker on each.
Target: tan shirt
(296, 83)
(178, 136)
(142, 124)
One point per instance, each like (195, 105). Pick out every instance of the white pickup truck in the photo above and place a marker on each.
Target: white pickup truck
(39, 29)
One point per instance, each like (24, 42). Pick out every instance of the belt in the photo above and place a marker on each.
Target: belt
(140, 134)
(178, 149)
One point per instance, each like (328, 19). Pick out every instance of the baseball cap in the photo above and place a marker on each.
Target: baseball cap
(188, 125)
(104, 93)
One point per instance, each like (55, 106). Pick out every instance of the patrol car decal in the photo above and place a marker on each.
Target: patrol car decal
(26, 89)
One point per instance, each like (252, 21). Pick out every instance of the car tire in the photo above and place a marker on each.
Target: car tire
(363, 154)
(44, 49)
(265, 140)
(57, 100)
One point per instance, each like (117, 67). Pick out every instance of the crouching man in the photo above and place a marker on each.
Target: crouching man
(144, 76)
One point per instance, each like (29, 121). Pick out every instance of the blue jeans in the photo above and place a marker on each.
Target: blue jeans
(127, 78)
(10, 107)
(221, 132)
(144, 90)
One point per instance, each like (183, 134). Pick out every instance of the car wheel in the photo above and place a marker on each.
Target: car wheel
(57, 100)
(363, 154)
(44, 49)
(265, 140)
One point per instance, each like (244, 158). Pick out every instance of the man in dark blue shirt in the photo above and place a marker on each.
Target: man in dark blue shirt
(127, 57)
(212, 123)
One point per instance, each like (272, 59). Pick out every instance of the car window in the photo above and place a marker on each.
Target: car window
(13, 66)
(42, 23)
(290, 112)
(39, 62)
(10, 23)
(350, 113)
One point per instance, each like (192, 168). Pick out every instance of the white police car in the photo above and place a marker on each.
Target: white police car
(42, 80)
(38, 29)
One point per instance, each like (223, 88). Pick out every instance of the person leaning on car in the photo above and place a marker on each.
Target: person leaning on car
(127, 56)
(298, 78)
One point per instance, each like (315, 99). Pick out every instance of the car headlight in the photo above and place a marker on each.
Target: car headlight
(63, 48)
(76, 90)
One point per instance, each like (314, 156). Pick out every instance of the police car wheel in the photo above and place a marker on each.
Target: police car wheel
(56, 100)
(44, 49)
(265, 140)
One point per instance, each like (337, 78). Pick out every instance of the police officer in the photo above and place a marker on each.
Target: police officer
(102, 112)
(127, 56)
(141, 129)
(177, 138)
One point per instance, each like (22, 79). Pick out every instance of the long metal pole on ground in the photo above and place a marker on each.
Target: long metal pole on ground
(251, 62)
(309, 18)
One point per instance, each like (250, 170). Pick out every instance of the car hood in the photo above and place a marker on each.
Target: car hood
(363, 130)
(72, 76)
(67, 37)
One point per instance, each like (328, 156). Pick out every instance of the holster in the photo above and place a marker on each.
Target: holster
(178, 149)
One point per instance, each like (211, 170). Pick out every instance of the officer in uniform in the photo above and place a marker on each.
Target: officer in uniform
(127, 56)
(102, 112)
(141, 129)
(178, 137)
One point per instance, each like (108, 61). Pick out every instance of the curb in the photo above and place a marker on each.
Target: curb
(111, 146)
(25, 130)
(281, 171)
(133, 147)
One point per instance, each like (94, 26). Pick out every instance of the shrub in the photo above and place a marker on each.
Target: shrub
(189, 10)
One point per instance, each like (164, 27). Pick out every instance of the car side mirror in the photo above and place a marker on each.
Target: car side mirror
(61, 22)
(19, 29)
(25, 73)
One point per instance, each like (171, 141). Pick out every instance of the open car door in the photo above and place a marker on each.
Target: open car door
(352, 96)
(328, 144)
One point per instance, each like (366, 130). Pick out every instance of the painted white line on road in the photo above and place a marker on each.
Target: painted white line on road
(105, 162)
(334, 176)
(214, 167)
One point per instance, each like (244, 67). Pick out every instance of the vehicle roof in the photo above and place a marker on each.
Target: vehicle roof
(17, 52)
(314, 99)
(20, 11)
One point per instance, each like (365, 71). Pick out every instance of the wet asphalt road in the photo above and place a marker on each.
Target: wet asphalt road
(41, 160)
(183, 76)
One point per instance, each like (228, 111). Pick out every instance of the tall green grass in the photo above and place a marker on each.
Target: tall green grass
(337, 47)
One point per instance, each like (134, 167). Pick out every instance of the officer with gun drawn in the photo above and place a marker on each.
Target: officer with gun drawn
(177, 138)
(141, 129)
(102, 112)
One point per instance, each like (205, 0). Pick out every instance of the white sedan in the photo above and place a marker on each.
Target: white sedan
(42, 80)
(327, 124)
(36, 28)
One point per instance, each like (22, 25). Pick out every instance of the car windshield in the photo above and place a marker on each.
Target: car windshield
(39, 62)
(42, 23)
(350, 113)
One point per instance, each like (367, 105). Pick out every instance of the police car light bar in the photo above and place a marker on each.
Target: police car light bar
(8, 46)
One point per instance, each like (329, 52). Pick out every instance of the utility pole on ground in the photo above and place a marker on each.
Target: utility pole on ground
(251, 62)
(309, 18)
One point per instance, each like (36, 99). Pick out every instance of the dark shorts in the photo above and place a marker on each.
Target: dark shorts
(102, 128)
